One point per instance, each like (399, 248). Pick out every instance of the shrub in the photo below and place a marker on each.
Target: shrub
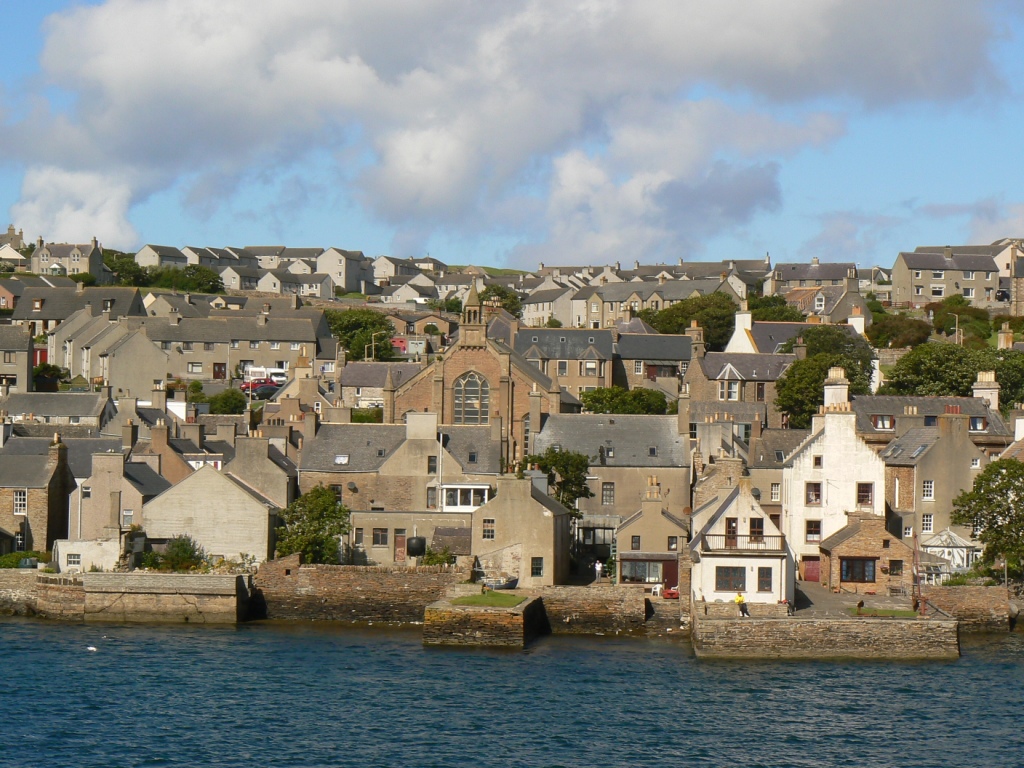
(12, 559)
(434, 557)
(183, 553)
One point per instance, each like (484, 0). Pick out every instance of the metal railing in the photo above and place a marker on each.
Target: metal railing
(730, 541)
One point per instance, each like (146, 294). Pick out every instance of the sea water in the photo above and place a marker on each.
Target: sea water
(327, 695)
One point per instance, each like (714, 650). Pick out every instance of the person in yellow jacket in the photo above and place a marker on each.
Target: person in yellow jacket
(742, 603)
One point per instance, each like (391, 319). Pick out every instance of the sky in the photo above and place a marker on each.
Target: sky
(517, 132)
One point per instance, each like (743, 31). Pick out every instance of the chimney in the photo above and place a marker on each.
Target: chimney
(814, 261)
(800, 349)
(696, 334)
(1005, 337)
(857, 320)
(158, 436)
(194, 432)
(95, 242)
(79, 288)
(948, 252)
(744, 318)
(837, 388)
(986, 388)
(129, 435)
(636, 264)
(226, 433)
(261, 319)
(1018, 428)
(158, 398)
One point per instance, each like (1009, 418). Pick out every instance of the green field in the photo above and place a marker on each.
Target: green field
(490, 600)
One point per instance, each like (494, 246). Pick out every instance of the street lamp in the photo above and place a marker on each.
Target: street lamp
(372, 346)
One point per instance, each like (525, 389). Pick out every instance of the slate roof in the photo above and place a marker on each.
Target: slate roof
(372, 374)
(634, 325)
(459, 441)
(836, 270)
(54, 403)
(80, 450)
(910, 447)
(805, 299)
(145, 479)
(866, 406)
(548, 294)
(748, 366)
(847, 532)
(629, 436)
(769, 336)
(765, 450)
(361, 443)
(564, 344)
(958, 261)
(458, 540)
(24, 472)
(14, 337)
(60, 303)
(656, 348)
(224, 329)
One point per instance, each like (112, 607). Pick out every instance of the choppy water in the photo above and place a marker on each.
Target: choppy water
(271, 695)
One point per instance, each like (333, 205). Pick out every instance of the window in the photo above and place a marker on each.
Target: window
(195, 367)
(108, 304)
(594, 307)
(208, 346)
(357, 540)
(74, 559)
(938, 291)
(431, 465)
(968, 275)
(10, 357)
(759, 391)
(776, 491)
(812, 493)
(978, 424)
(19, 542)
(634, 543)
(857, 569)
(928, 490)
(865, 494)
(728, 390)
(730, 578)
(275, 345)
(975, 463)
(895, 567)
(187, 346)
(885, 543)
(813, 531)
(472, 457)
(937, 274)
(21, 502)
(652, 450)
(536, 567)
(757, 529)
(819, 303)
(918, 290)
(86, 491)
(638, 367)
(563, 367)
(883, 421)
(607, 494)
(380, 537)
(908, 531)
(254, 345)
(432, 498)
(917, 273)
(968, 293)
(764, 579)
(927, 523)
(127, 516)
(381, 453)
(489, 528)
(234, 343)
(673, 543)
(472, 399)
(295, 346)
(817, 461)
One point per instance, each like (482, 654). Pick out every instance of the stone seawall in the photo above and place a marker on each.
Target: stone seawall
(593, 610)
(864, 638)
(60, 597)
(17, 591)
(287, 590)
(165, 597)
(978, 608)
(447, 624)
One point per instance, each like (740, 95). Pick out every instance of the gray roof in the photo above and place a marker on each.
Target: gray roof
(654, 348)
(909, 448)
(773, 447)
(866, 406)
(564, 344)
(145, 479)
(629, 437)
(224, 329)
(80, 450)
(748, 366)
(14, 337)
(769, 336)
(460, 441)
(634, 325)
(459, 540)
(673, 290)
(957, 261)
(364, 374)
(366, 446)
(60, 303)
(21, 471)
(548, 294)
(55, 403)
(837, 538)
(811, 271)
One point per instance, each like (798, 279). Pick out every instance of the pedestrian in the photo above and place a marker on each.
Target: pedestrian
(598, 567)
(742, 603)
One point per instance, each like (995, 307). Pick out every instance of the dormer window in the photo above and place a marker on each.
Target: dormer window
(883, 421)
(978, 424)
(108, 304)
(37, 304)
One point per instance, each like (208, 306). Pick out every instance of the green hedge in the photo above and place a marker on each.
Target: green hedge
(12, 559)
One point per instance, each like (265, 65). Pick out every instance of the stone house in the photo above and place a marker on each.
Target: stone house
(833, 473)
(601, 306)
(263, 468)
(161, 257)
(543, 305)
(786, 277)
(649, 541)
(831, 304)
(865, 558)
(387, 267)
(350, 271)
(237, 278)
(926, 468)
(242, 522)
(737, 549)
(408, 293)
(34, 499)
(84, 409)
(43, 309)
(362, 383)
(919, 278)
(750, 336)
(16, 359)
(15, 239)
(765, 461)
(582, 360)
(70, 259)
(283, 281)
(651, 361)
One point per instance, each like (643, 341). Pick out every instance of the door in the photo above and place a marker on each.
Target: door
(732, 528)
(670, 573)
(399, 545)
(220, 370)
(812, 569)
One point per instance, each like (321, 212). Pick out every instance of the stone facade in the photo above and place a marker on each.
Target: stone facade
(870, 541)
(977, 608)
(447, 624)
(592, 609)
(17, 590)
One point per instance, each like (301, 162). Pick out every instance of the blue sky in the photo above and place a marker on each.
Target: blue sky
(517, 132)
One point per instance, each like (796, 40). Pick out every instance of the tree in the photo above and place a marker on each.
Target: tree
(835, 340)
(773, 309)
(431, 330)
(898, 331)
(553, 322)
(619, 400)
(125, 269)
(933, 369)
(361, 332)
(228, 401)
(800, 390)
(506, 297)
(994, 505)
(448, 305)
(312, 525)
(85, 278)
(715, 313)
(182, 553)
(567, 473)
(955, 313)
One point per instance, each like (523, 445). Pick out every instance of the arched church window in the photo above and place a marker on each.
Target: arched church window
(472, 399)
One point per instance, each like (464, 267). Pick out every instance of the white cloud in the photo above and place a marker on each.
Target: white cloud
(465, 112)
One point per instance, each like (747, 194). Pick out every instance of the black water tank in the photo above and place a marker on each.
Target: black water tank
(416, 546)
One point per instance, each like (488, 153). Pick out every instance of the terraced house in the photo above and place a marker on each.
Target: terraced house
(919, 278)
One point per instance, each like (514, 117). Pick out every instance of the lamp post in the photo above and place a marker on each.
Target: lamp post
(372, 346)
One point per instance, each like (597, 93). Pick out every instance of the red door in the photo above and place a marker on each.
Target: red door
(812, 569)
(400, 545)
(670, 573)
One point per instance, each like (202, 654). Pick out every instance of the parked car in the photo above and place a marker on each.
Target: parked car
(1002, 295)
(265, 392)
(255, 383)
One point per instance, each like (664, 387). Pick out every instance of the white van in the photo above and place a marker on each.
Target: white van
(277, 375)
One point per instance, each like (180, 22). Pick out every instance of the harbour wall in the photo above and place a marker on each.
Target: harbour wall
(978, 609)
(448, 624)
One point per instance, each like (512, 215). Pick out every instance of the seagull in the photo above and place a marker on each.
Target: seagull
(91, 648)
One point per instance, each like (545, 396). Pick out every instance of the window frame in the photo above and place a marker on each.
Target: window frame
(816, 500)
(380, 537)
(488, 529)
(607, 494)
(812, 531)
(730, 578)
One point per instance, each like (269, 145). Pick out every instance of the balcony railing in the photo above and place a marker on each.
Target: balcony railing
(741, 542)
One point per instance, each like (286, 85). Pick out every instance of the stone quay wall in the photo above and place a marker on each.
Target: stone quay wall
(447, 624)
(732, 611)
(592, 610)
(165, 597)
(60, 597)
(17, 591)
(865, 638)
(977, 608)
(285, 589)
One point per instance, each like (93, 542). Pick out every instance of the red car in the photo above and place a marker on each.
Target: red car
(256, 383)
